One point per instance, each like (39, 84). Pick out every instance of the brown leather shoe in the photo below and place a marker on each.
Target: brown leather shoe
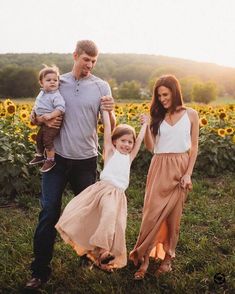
(37, 159)
(33, 283)
(47, 166)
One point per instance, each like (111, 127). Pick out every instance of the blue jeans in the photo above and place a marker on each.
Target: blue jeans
(80, 174)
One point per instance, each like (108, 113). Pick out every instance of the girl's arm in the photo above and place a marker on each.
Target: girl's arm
(107, 104)
(186, 179)
(140, 137)
(108, 145)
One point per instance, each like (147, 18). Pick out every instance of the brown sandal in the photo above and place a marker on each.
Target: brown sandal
(104, 267)
(106, 257)
(165, 267)
(139, 275)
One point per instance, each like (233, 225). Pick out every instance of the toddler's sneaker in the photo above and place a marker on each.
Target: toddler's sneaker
(48, 165)
(37, 159)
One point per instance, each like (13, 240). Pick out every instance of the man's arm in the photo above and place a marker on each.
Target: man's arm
(53, 114)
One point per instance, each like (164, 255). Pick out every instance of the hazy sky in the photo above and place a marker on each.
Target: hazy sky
(201, 30)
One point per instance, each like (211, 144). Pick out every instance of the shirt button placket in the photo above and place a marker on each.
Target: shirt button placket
(77, 89)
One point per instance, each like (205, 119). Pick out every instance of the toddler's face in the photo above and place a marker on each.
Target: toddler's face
(50, 82)
(124, 144)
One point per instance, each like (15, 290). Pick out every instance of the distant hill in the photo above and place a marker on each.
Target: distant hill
(127, 67)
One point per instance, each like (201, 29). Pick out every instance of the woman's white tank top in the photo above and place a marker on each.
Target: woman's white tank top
(176, 138)
(117, 170)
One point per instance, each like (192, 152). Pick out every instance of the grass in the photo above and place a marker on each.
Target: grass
(206, 247)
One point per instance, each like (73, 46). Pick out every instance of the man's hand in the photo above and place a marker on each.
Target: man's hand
(47, 116)
(52, 123)
(107, 103)
(33, 118)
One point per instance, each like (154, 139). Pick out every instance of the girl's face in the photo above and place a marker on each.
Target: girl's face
(50, 82)
(165, 97)
(124, 144)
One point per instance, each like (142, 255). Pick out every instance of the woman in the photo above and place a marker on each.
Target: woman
(173, 138)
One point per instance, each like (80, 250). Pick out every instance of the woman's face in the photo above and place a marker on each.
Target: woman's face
(165, 97)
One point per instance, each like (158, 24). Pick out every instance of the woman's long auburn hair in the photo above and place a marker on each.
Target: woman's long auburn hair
(157, 111)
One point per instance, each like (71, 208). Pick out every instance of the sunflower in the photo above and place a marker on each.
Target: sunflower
(23, 107)
(7, 102)
(221, 132)
(231, 107)
(229, 131)
(2, 113)
(222, 109)
(30, 125)
(32, 137)
(100, 129)
(222, 115)
(203, 122)
(117, 107)
(24, 115)
(10, 109)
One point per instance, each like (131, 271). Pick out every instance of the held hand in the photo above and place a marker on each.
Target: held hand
(54, 122)
(144, 119)
(46, 116)
(107, 103)
(186, 182)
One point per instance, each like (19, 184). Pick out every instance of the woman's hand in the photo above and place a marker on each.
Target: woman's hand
(107, 103)
(186, 182)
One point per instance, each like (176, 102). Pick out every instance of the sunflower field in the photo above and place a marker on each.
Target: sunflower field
(17, 143)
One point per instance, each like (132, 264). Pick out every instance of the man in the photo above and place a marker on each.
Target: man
(76, 150)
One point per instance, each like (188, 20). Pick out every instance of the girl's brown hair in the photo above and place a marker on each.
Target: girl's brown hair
(121, 130)
(157, 111)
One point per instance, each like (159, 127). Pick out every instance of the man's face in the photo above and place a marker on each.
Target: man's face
(83, 64)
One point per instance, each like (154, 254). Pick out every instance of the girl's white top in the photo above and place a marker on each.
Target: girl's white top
(176, 138)
(117, 170)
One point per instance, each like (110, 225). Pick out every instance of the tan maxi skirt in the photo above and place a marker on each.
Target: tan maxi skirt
(163, 206)
(96, 218)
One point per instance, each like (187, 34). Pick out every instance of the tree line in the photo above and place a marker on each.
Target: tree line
(131, 76)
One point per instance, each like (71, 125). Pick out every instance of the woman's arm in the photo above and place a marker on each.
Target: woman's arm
(149, 139)
(186, 179)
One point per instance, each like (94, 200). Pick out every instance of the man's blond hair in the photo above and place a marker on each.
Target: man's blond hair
(87, 46)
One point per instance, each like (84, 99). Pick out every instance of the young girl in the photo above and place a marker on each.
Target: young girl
(94, 222)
